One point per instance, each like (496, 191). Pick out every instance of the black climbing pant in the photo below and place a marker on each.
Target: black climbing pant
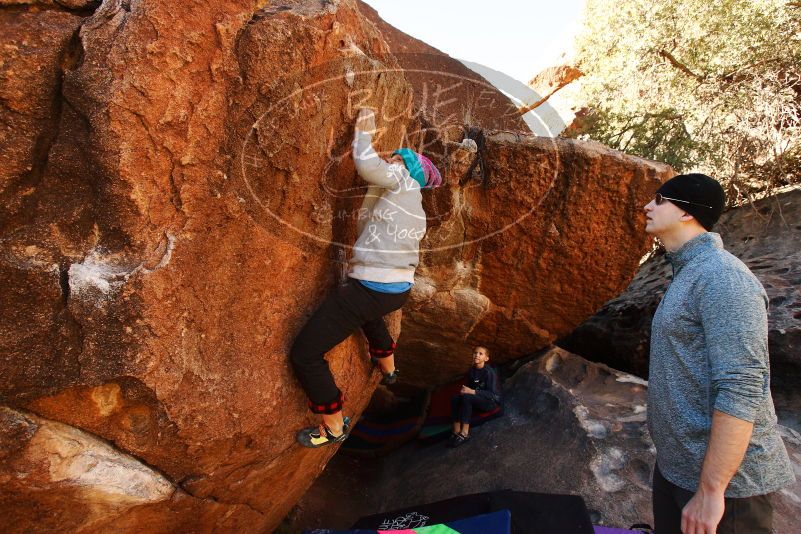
(343, 312)
(753, 515)
(462, 407)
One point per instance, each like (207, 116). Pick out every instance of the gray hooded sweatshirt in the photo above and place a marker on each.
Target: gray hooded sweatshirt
(391, 222)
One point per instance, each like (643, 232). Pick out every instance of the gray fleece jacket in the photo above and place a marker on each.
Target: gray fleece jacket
(391, 222)
(709, 351)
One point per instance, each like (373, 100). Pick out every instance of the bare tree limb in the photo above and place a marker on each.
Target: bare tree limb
(679, 65)
(525, 109)
(732, 76)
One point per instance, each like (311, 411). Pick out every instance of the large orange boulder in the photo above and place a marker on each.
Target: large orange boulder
(161, 190)
(518, 259)
(177, 198)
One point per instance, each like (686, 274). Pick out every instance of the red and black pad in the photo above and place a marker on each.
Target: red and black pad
(439, 422)
(531, 512)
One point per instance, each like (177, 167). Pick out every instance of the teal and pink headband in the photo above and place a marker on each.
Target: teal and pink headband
(420, 167)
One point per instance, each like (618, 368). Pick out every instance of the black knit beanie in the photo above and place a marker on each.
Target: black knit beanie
(705, 193)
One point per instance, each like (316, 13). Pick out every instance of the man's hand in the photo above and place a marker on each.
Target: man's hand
(467, 391)
(365, 121)
(703, 513)
(728, 441)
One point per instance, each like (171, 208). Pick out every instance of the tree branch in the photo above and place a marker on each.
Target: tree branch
(732, 76)
(681, 66)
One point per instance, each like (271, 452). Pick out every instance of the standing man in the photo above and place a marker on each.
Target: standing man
(719, 456)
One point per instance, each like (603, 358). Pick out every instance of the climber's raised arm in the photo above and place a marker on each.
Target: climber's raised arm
(369, 164)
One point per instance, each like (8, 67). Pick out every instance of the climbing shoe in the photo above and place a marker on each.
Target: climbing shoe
(387, 378)
(319, 436)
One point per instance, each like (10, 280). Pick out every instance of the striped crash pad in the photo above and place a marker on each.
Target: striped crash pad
(378, 434)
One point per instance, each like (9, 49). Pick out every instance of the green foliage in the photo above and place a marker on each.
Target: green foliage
(707, 86)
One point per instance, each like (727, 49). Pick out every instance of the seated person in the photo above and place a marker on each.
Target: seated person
(481, 391)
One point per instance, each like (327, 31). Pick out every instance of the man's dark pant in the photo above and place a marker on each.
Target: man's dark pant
(346, 309)
(462, 407)
(750, 515)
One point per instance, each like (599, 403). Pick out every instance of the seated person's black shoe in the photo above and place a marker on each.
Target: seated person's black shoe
(460, 440)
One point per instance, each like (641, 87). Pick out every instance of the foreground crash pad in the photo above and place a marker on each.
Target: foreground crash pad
(551, 514)
(493, 523)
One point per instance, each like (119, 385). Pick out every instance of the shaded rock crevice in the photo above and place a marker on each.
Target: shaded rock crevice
(70, 57)
(77, 336)
(64, 283)
(46, 139)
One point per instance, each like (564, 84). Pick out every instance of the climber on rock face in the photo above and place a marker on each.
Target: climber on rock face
(390, 224)
(719, 456)
(480, 391)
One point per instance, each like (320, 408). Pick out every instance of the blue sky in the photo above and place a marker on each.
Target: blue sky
(516, 37)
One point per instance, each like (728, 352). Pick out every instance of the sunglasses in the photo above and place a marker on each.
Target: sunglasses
(659, 199)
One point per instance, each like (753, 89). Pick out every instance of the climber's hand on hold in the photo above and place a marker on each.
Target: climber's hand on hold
(365, 121)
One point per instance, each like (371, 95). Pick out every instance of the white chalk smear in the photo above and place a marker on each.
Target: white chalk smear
(99, 275)
(603, 467)
(632, 379)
